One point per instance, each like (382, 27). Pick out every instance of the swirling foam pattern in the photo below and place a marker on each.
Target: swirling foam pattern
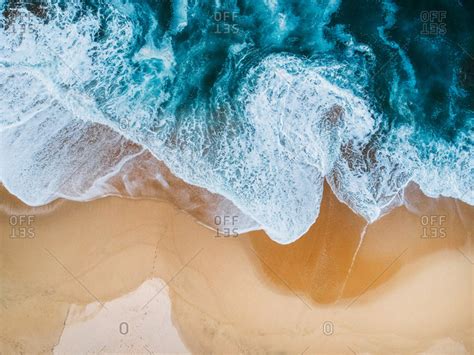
(258, 101)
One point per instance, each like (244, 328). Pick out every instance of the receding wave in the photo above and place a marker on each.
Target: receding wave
(244, 107)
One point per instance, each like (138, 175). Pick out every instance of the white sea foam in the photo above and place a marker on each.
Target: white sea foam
(290, 127)
(300, 120)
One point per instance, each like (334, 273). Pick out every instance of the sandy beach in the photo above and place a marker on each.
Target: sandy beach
(197, 177)
(118, 275)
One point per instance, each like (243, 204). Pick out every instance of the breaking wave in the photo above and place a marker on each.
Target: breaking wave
(256, 103)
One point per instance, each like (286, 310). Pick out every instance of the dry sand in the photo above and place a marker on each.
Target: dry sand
(89, 267)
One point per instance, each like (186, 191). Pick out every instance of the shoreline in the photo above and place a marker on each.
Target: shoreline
(244, 293)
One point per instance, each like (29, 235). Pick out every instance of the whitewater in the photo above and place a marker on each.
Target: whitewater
(259, 102)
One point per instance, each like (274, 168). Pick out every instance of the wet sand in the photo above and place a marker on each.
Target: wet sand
(83, 269)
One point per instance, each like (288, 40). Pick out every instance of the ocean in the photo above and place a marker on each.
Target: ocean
(261, 102)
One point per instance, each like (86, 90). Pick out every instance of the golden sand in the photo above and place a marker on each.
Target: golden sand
(87, 265)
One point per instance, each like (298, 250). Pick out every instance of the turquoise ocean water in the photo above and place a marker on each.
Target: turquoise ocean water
(258, 101)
